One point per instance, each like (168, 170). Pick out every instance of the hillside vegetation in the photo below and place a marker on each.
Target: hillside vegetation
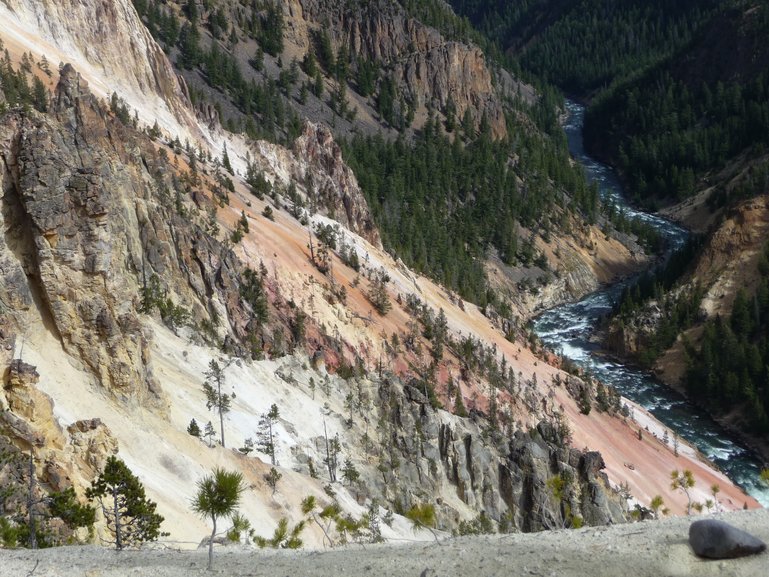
(678, 103)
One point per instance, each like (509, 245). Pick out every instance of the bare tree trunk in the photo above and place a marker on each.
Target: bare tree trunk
(31, 503)
(116, 512)
(211, 546)
(328, 454)
(221, 424)
(272, 442)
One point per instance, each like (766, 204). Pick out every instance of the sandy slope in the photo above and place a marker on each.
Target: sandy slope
(651, 548)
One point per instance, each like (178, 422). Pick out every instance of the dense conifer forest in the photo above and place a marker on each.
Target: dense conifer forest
(731, 368)
(689, 117)
(585, 45)
(441, 204)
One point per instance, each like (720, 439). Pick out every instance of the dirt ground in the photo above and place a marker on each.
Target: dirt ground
(652, 548)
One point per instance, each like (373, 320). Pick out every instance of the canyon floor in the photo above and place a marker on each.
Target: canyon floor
(652, 548)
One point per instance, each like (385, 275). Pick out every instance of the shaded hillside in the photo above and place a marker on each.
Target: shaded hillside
(583, 46)
(672, 131)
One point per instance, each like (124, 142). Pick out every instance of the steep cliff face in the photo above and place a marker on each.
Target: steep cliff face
(315, 168)
(428, 70)
(89, 221)
(527, 481)
(111, 47)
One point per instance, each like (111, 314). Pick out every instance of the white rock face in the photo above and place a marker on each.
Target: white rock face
(108, 44)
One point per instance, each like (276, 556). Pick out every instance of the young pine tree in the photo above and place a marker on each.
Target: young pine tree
(215, 398)
(130, 515)
(218, 497)
(266, 433)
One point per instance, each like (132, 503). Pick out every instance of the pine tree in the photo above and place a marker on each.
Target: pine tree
(218, 497)
(130, 515)
(193, 428)
(215, 398)
(226, 160)
(684, 481)
(272, 479)
(350, 472)
(377, 293)
(266, 434)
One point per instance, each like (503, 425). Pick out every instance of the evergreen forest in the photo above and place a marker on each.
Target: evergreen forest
(731, 368)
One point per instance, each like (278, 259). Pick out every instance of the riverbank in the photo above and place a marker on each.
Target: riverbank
(650, 548)
(569, 329)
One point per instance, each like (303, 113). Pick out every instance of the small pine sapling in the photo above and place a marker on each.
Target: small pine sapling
(218, 497)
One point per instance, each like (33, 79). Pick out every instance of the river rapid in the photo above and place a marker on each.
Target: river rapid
(566, 329)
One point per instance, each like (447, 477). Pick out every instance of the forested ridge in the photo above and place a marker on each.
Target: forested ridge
(443, 195)
(585, 45)
(731, 367)
(441, 204)
(689, 117)
(676, 89)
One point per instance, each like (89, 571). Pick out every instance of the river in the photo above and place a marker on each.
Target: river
(567, 329)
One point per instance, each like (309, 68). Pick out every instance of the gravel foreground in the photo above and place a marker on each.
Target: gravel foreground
(653, 548)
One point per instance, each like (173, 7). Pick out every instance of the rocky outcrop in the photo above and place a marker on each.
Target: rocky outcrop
(90, 220)
(330, 183)
(428, 70)
(529, 482)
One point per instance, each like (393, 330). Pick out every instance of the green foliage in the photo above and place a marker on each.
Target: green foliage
(65, 506)
(215, 398)
(160, 21)
(272, 479)
(283, 538)
(665, 134)
(584, 45)
(14, 84)
(422, 515)
(209, 433)
(154, 296)
(241, 529)
(193, 428)
(339, 529)
(441, 205)
(459, 405)
(130, 515)
(218, 497)
(30, 516)
(684, 481)
(9, 533)
(326, 234)
(452, 24)
(731, 368)
(248, 446)
(377, 293)
(119, 108)
(266, 434)
(270, 36)
(226, 160)
(252, 291)
(481, 525)
(679, 309)
(349, 472)
(658, 505)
